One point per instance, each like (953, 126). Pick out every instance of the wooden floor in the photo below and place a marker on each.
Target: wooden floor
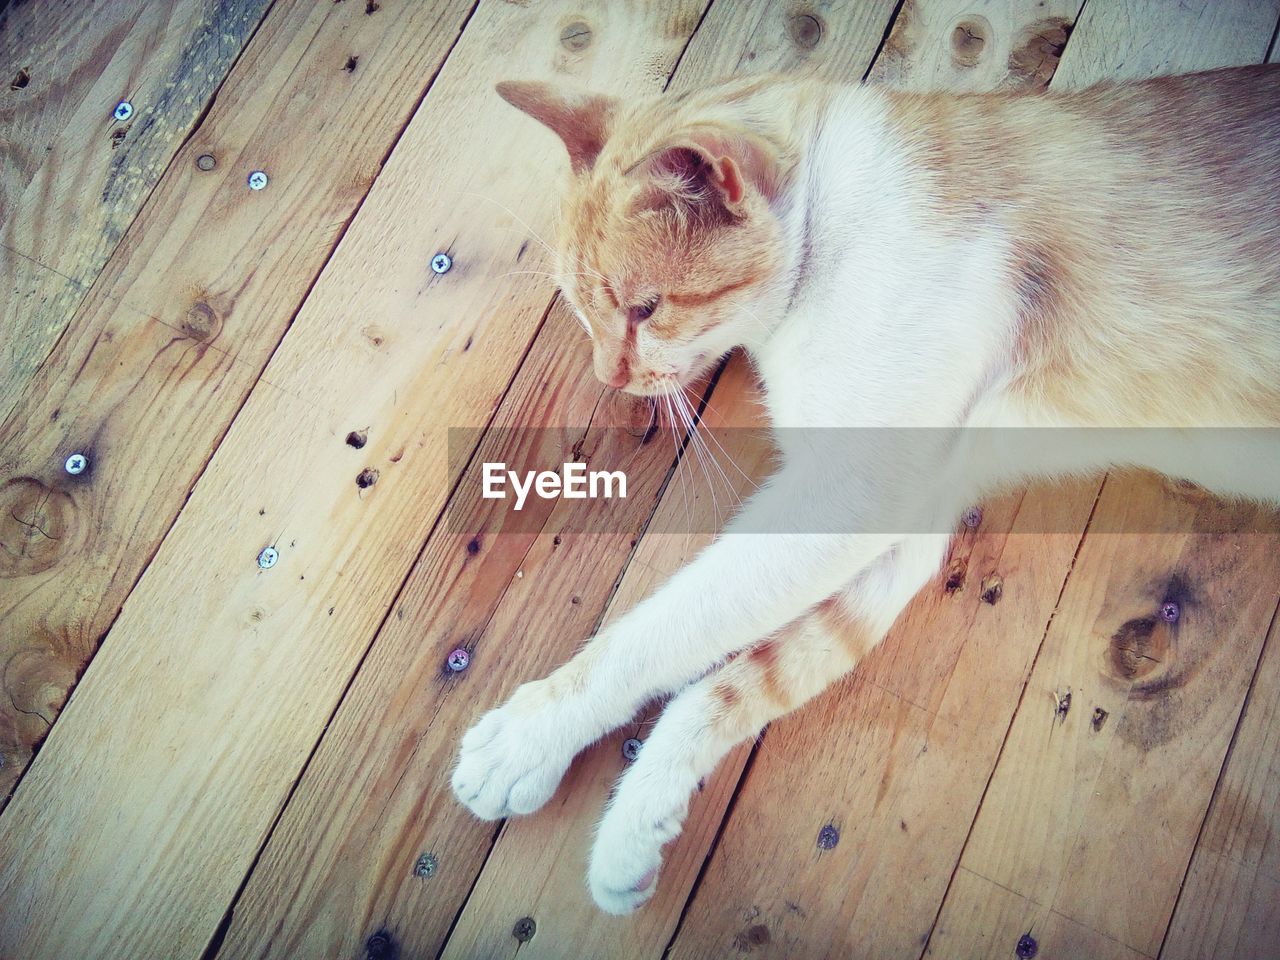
(204, 758)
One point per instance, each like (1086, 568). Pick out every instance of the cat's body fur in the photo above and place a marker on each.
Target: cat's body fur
(1100, 259)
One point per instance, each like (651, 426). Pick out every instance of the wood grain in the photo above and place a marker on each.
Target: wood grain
(375, 798)
(1230, 902)
(180, 324)
(210, 691)
(1092, 812)
(1132, 39)
(75, 178)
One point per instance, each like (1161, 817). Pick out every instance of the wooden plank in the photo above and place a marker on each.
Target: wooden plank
(993, 917)
(178, 327)
(1230, 902)
(1093, 814)
(360, 842)
(360, 828)
(537, 868)
(929, 707)
(74, 178)
(1132, 39)
(1071, 806)
(144, 809)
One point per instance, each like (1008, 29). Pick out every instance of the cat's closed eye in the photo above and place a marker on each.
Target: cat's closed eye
(642, 311)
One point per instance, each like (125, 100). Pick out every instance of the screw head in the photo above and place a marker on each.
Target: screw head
(1027, 947)
(426, 866)
(441, 263)
(631, 749)
(524, 929)
(972, 517)
(459, 660)
(267, 557)
(1170, 611)
(206, 162)
(123, 111)
(258, 180)
(828, 837)
(76, 464)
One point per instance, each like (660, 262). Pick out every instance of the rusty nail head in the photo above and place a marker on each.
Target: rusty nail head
(258, 179)
(1027, 946)
(206, 162)
(123, 111)
(441, 263)
(631, 748)
(1170, 611)
(828, 837)
(426, 866)
(972, 517)
(459, 660)
(524, 929)
(76, 464)
(267, 557)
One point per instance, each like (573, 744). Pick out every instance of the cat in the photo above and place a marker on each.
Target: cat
(1104, 258)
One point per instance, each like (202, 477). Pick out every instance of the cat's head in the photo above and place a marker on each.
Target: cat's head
(668, 244)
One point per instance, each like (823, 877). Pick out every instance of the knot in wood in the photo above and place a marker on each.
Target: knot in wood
(576, 36)
(202, 322)
(805, 30)
(36, 527)
(969, 41)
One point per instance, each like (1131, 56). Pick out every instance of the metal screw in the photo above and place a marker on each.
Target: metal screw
(828, 837)
(441, 263)
(972, 517)
(1170, 611)
(426, 866)
(459, 660)
(631, 748)
(379, 947)
(1027, 947)
(123, 111)
(268, 557)
(206, 162)
(524, 929)
(257, 180)
(77, 464)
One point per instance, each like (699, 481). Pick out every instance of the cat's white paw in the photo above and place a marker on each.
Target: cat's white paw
(514, 757)
(646, 813)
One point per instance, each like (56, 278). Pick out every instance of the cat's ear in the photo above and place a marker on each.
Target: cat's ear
(580, 120)
(709, 171)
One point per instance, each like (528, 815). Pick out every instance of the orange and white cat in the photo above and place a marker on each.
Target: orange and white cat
(1108, 258)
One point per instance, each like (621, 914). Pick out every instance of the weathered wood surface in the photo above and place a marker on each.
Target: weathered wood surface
(352, 891)
(375, 798)
(72, 177)
(1094, 808)
(164, 778)
(195, 718)
(1229, 905)
(180, 324)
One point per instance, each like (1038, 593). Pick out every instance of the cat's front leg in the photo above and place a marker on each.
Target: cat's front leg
(709, 718)
(744, 586)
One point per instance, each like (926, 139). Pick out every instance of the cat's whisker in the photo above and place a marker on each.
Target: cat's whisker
(694, 421)
(712, 434)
